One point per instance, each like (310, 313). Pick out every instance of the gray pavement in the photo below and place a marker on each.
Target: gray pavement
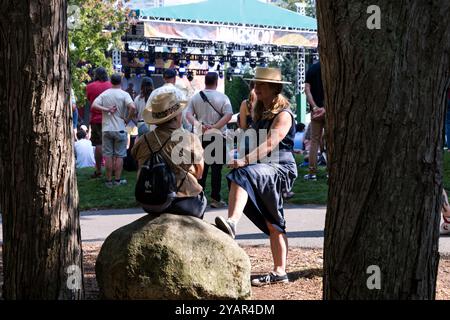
(305, 226)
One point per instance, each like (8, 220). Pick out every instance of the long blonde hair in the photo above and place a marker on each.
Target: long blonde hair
(251, 101)
(279, 104)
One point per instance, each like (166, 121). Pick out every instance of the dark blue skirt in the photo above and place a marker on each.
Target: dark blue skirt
(265, 183)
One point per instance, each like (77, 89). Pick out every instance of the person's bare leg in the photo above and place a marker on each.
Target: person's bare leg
(98, 159)
(279, 247)
(118, 165)
(109, 167)
(237, 199)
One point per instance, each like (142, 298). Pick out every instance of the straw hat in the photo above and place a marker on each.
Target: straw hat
(163, 107)
(272, 75)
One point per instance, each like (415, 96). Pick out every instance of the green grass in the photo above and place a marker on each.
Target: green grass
(309, 192)
(94, 195)
(447, 171)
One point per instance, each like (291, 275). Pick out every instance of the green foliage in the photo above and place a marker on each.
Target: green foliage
(97, 29)
(290, 5)
(288, 65)
(237, 90)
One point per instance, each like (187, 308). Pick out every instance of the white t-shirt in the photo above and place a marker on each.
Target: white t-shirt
(84, 152)
(140, 104)
(114, 97)
(203, 110)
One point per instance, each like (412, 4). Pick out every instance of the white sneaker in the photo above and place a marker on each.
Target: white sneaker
(228, 226)
(121, 182)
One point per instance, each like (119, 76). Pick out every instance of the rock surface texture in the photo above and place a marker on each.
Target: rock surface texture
(172, 257)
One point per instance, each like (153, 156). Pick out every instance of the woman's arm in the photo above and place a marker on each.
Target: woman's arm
(243, 115)
(196, 153)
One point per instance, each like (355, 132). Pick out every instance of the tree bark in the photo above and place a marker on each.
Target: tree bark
(385, 100)
(38, 192)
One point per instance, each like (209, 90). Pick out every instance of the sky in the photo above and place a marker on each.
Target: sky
(141, 3)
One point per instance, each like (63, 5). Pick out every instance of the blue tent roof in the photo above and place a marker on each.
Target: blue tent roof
(242, 12)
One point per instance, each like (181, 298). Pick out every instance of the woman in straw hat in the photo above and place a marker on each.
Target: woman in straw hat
(257, 180)
(140, 102)
(184, 157)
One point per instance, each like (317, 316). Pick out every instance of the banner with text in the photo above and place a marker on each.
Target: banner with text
(234, 34)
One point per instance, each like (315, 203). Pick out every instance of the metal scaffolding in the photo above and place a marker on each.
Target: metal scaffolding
(301, 70)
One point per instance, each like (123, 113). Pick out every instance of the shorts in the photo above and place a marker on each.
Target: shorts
(115, 144)
(96, 134)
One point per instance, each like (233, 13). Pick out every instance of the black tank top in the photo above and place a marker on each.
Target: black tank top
(287, 144)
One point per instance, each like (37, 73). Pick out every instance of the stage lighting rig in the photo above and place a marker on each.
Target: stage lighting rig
(211, 61)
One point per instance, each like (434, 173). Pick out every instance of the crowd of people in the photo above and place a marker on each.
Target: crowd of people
(137, 127)
(126, 126)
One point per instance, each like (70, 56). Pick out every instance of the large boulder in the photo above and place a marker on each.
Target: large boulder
(172, 257)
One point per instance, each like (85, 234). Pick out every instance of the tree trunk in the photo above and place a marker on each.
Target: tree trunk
(385, 100)
(38, 193)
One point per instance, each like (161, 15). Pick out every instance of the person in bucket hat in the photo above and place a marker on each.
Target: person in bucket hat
(165, 111)
(259, 178)
(163, 108)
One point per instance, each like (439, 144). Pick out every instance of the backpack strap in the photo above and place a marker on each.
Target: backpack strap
(159, 141)
(150, 148)
(148, 144)
(162, 146)
(182, 181)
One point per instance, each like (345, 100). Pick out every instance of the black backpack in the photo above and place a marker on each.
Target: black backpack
(156, 185)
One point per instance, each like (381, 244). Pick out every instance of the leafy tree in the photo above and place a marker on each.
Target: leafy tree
(288, 65)
(290, 5)
(237, 90)
(96, 29)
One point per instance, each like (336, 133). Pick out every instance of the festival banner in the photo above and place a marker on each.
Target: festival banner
(234, 34)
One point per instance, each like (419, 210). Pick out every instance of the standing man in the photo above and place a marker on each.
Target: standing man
(316, 97)
(93, 90)
(118, 109)
(170, 78)
(213, 111)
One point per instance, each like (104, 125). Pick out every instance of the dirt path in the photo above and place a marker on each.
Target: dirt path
(305, 272)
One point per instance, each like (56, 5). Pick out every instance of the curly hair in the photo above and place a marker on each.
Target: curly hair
(278, 104)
